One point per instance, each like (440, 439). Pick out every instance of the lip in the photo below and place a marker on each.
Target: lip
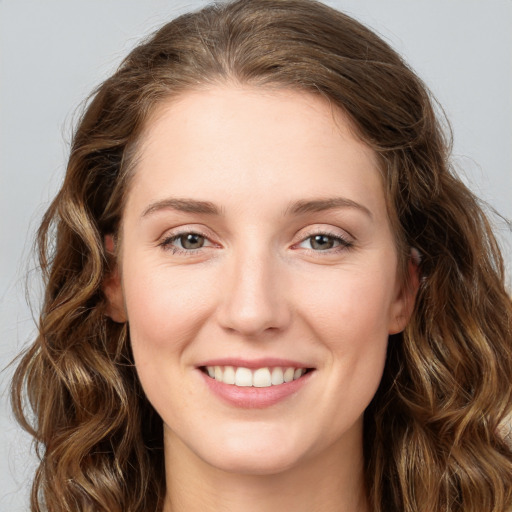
(253, 364)
(253, 397)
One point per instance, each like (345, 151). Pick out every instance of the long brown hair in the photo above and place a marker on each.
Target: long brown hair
(432, 432)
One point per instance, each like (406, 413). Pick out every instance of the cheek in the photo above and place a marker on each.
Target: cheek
(349, 314)
(349, 303)
(166, 308)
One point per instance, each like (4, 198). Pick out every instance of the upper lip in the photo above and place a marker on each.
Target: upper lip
(264, 362)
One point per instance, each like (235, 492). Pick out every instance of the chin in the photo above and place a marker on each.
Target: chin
(254, 464)
(262, 453)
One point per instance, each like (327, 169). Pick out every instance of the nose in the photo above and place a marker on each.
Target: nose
(253, 295)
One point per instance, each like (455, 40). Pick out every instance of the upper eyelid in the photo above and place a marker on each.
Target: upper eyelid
(184, 230)
(329, 230)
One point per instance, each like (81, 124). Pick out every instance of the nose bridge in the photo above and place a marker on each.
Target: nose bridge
(253, 299)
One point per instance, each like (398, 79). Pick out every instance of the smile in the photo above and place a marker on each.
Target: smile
(258, 377)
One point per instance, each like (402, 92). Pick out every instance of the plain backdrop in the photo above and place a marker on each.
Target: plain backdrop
(53, 53)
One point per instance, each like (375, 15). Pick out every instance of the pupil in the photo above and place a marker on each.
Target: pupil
(192, 241)
(322, 242)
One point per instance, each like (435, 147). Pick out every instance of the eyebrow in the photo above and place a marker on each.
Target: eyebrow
(330, 203)
(296, 208)
(183, 205)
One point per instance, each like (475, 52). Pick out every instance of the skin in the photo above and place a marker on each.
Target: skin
(258, 288)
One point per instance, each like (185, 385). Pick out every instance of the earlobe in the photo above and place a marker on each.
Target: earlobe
(406, 298)
(112, 288)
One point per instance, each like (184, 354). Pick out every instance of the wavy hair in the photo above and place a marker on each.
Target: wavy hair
(432, 438)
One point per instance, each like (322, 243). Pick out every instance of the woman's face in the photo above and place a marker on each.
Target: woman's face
(256, 246)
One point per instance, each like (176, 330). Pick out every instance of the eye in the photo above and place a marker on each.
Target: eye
(191, 241)
(188, 242)
(325, 242)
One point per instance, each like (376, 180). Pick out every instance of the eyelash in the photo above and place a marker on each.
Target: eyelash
(344, 244)
(167, 242)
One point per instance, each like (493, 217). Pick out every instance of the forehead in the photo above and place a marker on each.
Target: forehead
(234, 140)
(218, 107)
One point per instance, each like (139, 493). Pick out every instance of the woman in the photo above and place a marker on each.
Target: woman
(266, 289)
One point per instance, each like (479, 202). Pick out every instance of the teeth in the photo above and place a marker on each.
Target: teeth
(229, 375)
(243, 377)
(297, 374)
(277, 376)
(259, 378)
(288, 374)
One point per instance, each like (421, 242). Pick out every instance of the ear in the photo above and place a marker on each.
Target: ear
(403, 305)
(112, 287)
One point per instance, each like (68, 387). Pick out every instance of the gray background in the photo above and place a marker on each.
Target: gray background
(53, 53)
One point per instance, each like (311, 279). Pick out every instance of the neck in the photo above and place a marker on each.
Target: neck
(328, 482)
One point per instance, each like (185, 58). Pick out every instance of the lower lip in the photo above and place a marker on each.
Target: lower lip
(255, 398)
